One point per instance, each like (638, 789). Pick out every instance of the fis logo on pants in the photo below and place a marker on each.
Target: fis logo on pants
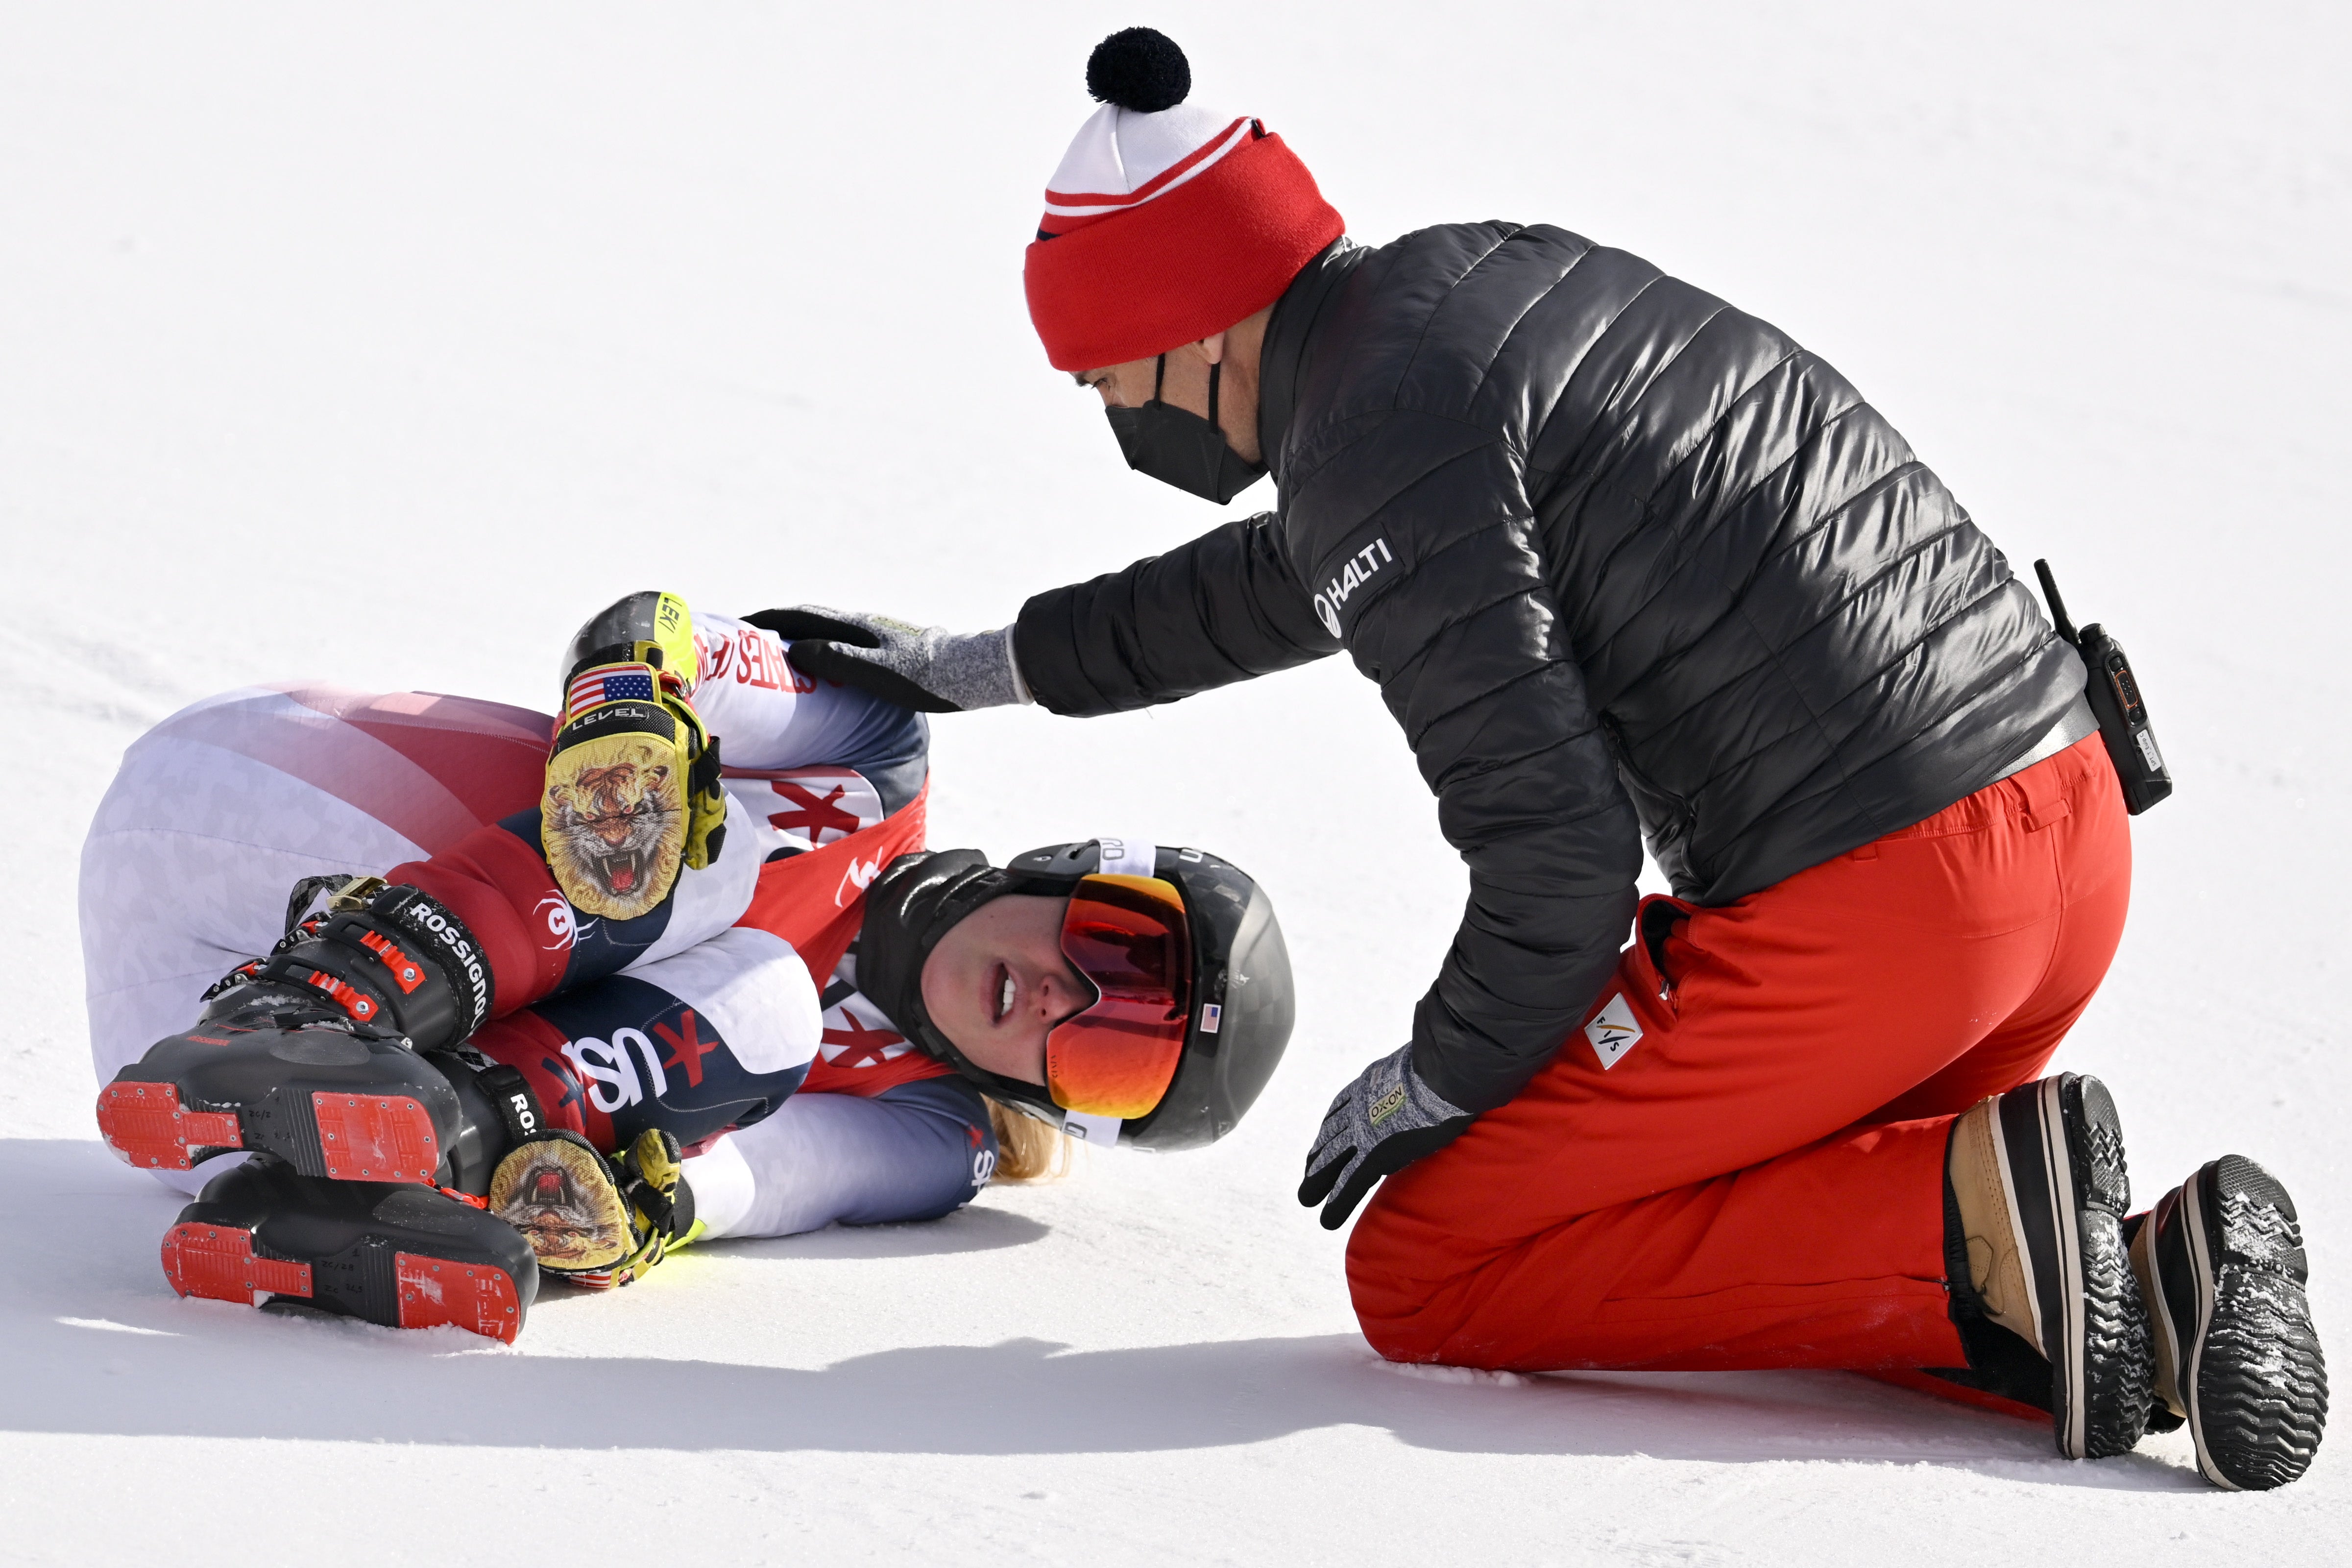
(1613, 1032)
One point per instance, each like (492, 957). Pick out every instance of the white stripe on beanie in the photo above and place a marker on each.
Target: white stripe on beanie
(1119, 156)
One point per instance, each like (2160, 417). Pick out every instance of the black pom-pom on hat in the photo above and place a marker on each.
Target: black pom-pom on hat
(1138, 69)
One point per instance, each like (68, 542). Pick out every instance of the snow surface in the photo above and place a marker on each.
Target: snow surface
(379, 343)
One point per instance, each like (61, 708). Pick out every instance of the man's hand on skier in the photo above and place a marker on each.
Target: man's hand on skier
(922, 667)
(1381, 1123)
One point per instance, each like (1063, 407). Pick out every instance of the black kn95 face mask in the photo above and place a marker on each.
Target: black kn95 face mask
(1177, 446)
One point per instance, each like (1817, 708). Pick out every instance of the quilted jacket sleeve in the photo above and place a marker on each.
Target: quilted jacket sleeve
(1221, 609)
(1419, 535)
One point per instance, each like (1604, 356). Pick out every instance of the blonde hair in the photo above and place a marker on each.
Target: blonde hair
(1027, 1149)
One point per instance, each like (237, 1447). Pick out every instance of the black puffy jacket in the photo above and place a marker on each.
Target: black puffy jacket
(1610, 546)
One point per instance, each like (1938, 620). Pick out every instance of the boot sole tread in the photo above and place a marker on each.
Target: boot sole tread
(342, 1134)
(2063, 1168)
(2255, 1378)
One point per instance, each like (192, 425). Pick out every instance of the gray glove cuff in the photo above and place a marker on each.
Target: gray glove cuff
(1399, 1100)
(954, 670)
(1020, 691)
(974, 669)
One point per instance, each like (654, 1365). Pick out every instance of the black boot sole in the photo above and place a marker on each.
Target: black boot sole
(2062, 1164)
(331, 1104)
(392, 1255)
(2252, 1375)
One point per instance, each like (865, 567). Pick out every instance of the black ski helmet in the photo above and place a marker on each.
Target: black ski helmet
(1242, 1000)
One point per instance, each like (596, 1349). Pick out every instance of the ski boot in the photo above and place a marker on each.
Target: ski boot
(338, 1053)
(396, 1254)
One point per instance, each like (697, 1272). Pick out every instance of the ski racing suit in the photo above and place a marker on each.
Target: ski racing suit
(728, 1015)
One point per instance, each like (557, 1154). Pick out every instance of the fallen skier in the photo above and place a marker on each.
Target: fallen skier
(558, 1010)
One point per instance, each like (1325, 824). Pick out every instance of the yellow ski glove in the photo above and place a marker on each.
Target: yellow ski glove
(632, 792)
(593, 1221)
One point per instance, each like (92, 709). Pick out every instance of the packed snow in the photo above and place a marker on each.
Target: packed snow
(380, 344)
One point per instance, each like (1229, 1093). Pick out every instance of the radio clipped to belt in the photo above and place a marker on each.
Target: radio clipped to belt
(2114, 698)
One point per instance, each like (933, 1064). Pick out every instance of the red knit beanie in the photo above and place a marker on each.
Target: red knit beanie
(1166, 222)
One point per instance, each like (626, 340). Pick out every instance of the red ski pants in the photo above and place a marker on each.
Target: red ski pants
(1758, 1179)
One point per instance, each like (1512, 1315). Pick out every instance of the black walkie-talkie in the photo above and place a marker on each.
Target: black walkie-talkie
(2116, 700)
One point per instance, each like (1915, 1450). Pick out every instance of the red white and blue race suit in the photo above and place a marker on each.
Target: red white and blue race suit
(728, 1015)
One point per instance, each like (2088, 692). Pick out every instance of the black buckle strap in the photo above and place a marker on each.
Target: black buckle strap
(507, 1090)
(389, 957)
(446, 940)
(305, 892)
(649, 1200)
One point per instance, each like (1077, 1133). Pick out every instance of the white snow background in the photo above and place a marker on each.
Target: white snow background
(383, 343)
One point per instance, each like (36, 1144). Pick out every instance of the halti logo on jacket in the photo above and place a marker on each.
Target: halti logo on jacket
(1373, 557)
(1613, 1032)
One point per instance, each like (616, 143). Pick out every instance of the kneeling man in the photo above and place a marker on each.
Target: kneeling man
(1629, 563)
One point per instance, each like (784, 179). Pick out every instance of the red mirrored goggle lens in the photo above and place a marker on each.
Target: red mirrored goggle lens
(1126, 934)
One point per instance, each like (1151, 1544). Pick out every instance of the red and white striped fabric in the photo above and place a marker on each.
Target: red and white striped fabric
(1121, 160)
(1163, 228)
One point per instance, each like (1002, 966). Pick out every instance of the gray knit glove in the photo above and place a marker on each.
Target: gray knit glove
(1381, 1123)
(920, 667)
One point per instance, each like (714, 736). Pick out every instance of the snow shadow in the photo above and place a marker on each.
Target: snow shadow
(974, 1229)
(97, 1344)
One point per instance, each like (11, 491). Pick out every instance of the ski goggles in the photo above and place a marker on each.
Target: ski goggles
(1127, 935)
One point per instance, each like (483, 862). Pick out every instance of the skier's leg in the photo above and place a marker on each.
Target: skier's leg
(186, 872)
(714, 1037)
(668, 1054)
(218, 811)
(915, 1152)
